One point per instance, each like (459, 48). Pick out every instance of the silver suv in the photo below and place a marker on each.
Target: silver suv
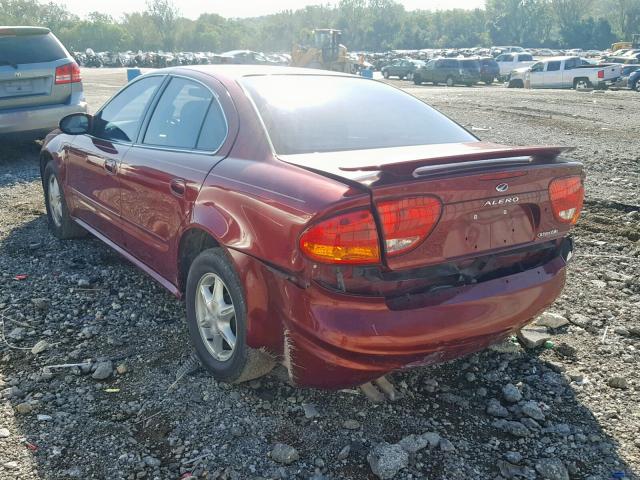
(39, 83)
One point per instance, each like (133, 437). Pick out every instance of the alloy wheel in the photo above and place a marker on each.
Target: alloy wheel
(55, 200)
(216, 317)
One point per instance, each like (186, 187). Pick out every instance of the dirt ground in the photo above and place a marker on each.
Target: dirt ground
(569, 411)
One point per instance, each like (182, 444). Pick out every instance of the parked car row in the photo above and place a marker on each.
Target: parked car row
(161, 59)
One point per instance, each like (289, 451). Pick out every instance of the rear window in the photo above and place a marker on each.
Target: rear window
(315, 113)
(22, 49)
(469, 64)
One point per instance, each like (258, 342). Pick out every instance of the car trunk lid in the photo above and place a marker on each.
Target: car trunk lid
(28, 61)
(494, 197)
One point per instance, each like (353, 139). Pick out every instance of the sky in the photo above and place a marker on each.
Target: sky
(239, 8)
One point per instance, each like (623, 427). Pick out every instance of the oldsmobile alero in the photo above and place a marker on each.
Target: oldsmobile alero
(332, 223)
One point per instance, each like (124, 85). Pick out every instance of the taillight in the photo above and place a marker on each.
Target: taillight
(566, 195)
(600, 73)
(350, 238)
(69, 73)
(407, 222)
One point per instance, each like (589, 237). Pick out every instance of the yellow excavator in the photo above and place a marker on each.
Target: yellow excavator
(324, 52)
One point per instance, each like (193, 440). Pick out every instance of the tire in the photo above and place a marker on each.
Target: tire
(417, 80)
(516, 84)
(581, 84)
(231, 363)
(58, 218)
(385, 74)
(449, 82)
(400, 77)
(409, 76)
(636, 86)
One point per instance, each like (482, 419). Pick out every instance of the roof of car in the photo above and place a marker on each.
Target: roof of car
(238, 71)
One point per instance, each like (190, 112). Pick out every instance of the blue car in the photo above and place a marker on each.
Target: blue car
(634, 81)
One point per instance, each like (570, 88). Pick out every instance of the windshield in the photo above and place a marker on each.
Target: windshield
(22, 49)
(314, 113)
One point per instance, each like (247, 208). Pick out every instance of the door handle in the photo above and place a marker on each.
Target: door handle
(110, 165)
(178, 187)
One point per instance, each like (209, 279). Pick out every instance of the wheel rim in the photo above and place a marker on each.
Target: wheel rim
(449, 82)
(216, 316)
(55, 200)
(582, 84)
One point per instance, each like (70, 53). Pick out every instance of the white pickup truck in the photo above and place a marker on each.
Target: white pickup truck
(510, 61)
(565, 72)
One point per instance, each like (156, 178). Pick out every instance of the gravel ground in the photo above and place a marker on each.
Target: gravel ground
(565, 411)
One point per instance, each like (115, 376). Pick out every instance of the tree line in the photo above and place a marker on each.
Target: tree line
(371, 25)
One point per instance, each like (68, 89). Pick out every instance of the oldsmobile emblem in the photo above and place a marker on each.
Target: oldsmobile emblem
(502, 187)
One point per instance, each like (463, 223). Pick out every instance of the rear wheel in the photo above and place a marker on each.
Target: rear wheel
(636, 86)
(516, 84)
(385, 74)
(581, 83)
(417, 80)
(449, 81)
(60, 222)
(217, 320)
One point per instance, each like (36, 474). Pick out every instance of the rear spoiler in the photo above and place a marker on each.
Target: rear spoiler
(22, 31)
(473, 155)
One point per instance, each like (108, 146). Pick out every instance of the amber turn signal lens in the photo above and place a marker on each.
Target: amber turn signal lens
(350, 238)
(566, 195)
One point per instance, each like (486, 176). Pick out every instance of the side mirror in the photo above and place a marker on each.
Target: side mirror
(76, 123)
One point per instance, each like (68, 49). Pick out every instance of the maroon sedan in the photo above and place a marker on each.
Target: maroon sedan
(332, 223)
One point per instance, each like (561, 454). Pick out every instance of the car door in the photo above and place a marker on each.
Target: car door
(553, 74)
(162, 173)
(439, 71)
(537, 75)
(93, 159)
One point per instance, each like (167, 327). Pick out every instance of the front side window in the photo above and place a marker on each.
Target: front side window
(121, 118)
(178, 116)
(318, 113)
(538, 67)
(553, 66)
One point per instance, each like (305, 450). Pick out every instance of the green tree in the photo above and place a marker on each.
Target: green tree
(164, 15)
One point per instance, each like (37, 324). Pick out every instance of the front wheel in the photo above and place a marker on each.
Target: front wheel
(385, 74)
(449, 81)
(217, 320)
(417, 80)
(60, 222)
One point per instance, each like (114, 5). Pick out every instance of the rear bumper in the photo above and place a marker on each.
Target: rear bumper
(34, 122)
(334, 340)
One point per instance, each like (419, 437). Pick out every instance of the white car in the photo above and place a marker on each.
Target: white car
(510, 61)
(565, 72)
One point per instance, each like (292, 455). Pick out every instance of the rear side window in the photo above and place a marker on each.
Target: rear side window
(178, 116)
(470, 64)
(525, 57)
(317, 113)
(553, 66)
(214, 129)
(120, 119)
(21, 49)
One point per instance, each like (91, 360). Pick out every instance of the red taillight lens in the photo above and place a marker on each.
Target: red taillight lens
(566, 195)
(407, 222)
(600, 73)
(69, 73)
(350, 238)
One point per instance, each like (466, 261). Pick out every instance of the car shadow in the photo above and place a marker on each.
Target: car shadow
(90, 306)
